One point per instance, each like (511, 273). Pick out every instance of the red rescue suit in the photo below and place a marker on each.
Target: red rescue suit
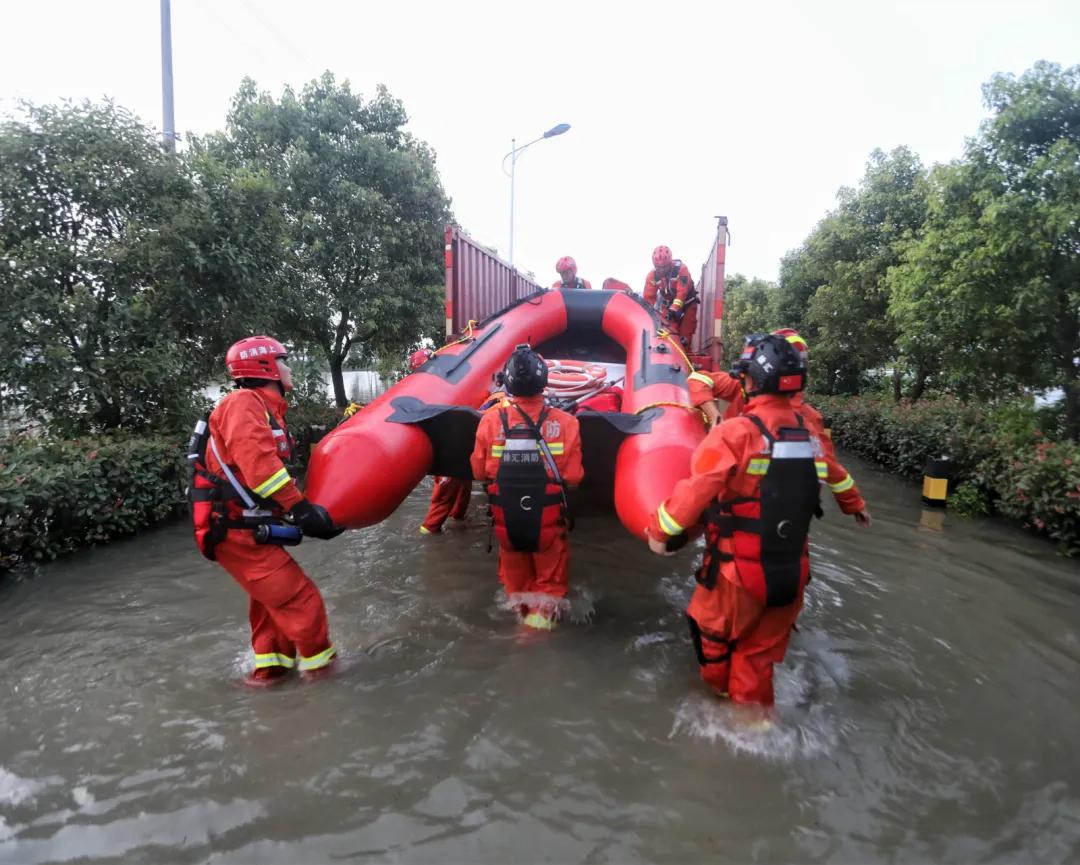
(577, 282)
(674, 293)
(286, 611)
(449, 498)
(737, 634)
(706, 386)
(534, 581)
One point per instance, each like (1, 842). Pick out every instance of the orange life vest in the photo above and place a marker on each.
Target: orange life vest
(766, 534)
(217, 504)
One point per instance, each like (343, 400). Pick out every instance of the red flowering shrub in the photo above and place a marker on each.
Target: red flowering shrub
(1002, 459)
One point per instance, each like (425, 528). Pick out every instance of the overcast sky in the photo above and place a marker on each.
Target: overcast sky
(679, 111)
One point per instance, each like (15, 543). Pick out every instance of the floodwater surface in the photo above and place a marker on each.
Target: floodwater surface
(928, 710)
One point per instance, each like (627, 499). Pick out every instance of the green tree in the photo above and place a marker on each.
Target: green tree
(363, 209)
(994, 282)
(835, 285)
(749, 307)
(117, 265)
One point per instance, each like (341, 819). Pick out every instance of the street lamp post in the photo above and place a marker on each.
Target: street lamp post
(512, 156)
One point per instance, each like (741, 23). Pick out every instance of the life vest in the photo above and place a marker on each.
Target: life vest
(577, 283)
(766, 534)
(216, 503)
(666, 289)
(527, 499)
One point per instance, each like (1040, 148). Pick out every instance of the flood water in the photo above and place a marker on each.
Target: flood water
(928, 711)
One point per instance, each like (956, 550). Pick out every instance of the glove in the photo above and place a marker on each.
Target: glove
(313, 520)
(677, 542)
(676, 315)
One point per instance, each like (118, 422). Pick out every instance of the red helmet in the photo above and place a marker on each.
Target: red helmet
(566, 263)
(418, 358)
(255, 357)
(796, 340)
(662, 257)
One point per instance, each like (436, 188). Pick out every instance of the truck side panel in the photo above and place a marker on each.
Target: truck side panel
(478, 282)
(711, 289)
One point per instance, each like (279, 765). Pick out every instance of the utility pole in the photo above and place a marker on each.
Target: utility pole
(168, 127)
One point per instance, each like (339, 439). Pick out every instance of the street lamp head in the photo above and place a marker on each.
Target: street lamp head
(557, 130)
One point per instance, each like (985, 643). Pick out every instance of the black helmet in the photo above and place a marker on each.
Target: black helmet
(525, 373)
(772, 364)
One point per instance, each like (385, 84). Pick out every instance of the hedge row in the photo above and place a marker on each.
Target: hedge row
(1004, 460)
(59, 496)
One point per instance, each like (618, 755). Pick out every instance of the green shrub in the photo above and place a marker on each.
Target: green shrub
(59, 496)
(969, 500)
(1003, 461)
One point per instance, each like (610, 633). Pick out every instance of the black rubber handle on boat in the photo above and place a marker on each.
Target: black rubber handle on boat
(459, 359)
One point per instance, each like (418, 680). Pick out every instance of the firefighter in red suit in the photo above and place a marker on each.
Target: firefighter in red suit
(529, 454)
(754, 480)
(568, 278)
(242, 485)
(450, 496)
(669, 289)
(706, 388)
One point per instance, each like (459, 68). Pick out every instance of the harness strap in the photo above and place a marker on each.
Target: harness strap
(727, 524)
(697, 634)
(769, 437)
(236, 485)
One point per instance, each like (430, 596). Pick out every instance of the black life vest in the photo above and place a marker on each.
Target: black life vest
(217, 504)
(577, 283)
(527, 499)
(766, 534)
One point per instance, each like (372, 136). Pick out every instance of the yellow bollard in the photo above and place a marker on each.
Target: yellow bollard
(935, 485)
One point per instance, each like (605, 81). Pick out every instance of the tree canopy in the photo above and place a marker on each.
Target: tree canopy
(964, 278)
(122, 268)
(127, 271)
(363, 211)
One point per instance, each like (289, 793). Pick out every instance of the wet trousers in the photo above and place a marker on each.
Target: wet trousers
(286, 611)
(449, 498)
(738, 639)
(543, 573)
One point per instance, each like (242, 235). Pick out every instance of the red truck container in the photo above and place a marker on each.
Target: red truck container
(479, 283)
(705, 347)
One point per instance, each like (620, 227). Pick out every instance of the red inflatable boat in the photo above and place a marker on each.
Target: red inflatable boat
(426, 423)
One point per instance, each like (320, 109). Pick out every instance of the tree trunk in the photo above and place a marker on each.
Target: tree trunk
(337, 361)
(896, 382)
(1069, 356)
(1072, 411)
(921, 375)
(1071, 386)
